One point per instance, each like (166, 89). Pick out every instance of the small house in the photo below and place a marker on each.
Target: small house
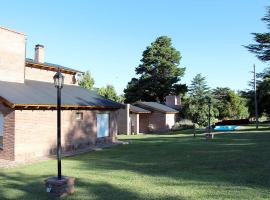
(148, 117)
(28, 105)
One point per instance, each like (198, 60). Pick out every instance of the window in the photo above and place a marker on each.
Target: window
(79, 116)
(1, 129)
(102, 125)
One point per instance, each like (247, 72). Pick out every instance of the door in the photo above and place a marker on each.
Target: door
(102, 125)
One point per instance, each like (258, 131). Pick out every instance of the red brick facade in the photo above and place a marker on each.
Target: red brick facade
(30, 134)
(8, 151)
(160, 122)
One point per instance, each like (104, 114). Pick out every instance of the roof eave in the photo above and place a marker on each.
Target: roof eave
(140, 112)
(49, 67)
(156, 109)
(64, 107)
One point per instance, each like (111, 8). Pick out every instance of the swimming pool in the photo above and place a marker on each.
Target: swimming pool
(225, 128)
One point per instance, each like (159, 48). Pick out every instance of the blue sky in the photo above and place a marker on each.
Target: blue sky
(108, 37)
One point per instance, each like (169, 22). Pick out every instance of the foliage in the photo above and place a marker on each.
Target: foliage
(110, 93)
(230, 105)
(183, 124)
(262, 46)
(263, 94)
(159, 73)
(261, 49)
(198, 87)
(87, 81)
(197, 108)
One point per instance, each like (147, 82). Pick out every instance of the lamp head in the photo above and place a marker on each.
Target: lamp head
(58, 79)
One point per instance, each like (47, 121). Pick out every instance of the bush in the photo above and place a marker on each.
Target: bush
(183, 124)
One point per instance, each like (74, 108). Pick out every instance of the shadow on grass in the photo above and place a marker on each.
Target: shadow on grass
(105, 191)
(237, 159)
(22, 186)
(28, 187)
(228, 161)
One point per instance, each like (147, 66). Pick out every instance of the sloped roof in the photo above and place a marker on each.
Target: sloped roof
(176, 107)
(156, 106)
(138, 110)
(37, 93)
(56, 66)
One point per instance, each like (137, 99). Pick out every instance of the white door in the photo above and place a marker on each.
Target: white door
(102, 125)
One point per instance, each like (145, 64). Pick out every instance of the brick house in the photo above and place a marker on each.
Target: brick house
(28, 105)
(147, 117)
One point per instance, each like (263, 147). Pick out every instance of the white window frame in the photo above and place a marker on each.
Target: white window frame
(79, 116)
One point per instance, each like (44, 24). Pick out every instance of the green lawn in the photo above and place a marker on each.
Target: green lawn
(232, 166)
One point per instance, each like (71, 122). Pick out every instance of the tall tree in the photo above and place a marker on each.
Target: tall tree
(197, 102)
(199, 87)
(159, 73)
(87, 81)
(261, 48)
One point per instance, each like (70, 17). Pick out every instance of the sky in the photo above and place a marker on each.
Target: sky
(107, 37)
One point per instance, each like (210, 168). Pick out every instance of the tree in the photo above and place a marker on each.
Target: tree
(263, 91)
(87, 81)
(230, 105)
(261, 49)
(198, 87)
(197, 108)
(262, 46)
(110, 93)
(263, 95)
(159, 73)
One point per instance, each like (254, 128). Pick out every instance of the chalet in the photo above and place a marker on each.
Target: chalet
(28, 105)
(147, 117)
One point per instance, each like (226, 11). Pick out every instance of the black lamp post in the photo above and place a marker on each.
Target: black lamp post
(61, 185)
(59, 82)
(209, 113)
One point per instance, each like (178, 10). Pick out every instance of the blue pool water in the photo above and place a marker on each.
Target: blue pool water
(225, 128)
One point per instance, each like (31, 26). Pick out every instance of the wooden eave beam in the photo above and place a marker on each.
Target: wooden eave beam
(64, 107)
(49, 68)
(6, 102)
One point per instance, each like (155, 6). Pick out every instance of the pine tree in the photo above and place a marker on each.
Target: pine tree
(159, 73)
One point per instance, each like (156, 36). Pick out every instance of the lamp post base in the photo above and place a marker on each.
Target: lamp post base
(59, 188)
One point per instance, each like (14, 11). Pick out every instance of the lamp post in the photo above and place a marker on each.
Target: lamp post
(209, 114)
(58, 83)
(61, 185)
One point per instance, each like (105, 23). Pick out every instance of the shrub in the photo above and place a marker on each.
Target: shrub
(183, 124)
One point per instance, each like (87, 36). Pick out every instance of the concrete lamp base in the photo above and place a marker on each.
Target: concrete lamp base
(59, 188)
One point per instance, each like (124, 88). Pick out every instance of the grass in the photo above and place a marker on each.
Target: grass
(231, 166)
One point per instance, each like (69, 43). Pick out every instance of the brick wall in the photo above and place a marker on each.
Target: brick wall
(35, 132)
(158, 119)
(161, 122)
(12, 55)
(134, 123)
(46, 76)
(123, 120)
(144, 122)
(7, 152)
